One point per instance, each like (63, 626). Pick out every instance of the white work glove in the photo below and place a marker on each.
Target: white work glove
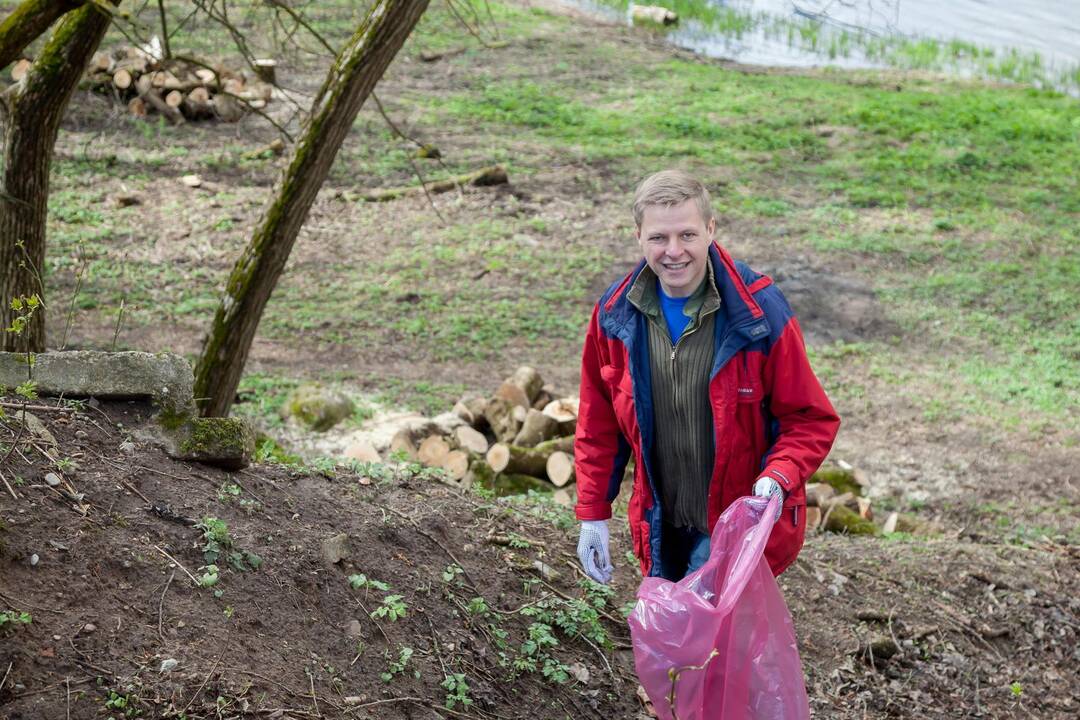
(592, 550)
(766, 487)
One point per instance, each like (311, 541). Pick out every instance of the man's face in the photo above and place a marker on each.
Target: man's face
(675, 241)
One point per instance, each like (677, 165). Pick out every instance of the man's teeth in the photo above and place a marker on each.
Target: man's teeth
(675, 266)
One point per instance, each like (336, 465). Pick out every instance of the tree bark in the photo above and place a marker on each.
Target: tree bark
(33, 111)
(349, 82)
(26, 23)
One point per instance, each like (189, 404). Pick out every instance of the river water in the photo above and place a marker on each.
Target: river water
(1048, 28)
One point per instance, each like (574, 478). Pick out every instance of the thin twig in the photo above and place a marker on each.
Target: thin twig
(161, 605)
(4, 679)
(135, 490)
(177, 564)
(46, 408)
(314, 698)
(67, 688)
(8, 486)
(205, 680)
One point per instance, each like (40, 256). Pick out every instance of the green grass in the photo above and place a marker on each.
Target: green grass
(957, 202)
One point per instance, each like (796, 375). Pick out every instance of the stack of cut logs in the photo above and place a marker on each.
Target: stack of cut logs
(177, 89)
(829, 509)
(521, 431)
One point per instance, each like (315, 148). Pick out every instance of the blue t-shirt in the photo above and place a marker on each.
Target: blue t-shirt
(673, 307)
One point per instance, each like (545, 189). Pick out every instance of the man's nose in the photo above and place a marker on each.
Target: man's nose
(674, 246)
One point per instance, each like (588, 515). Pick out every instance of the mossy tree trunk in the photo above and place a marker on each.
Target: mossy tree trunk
(32, 110)
(26, 22)
(350, 80)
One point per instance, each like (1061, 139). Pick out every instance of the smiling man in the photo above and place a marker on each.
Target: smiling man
(694, 367)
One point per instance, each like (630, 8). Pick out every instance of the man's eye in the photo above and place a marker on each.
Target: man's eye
(656, 238)
(689, 235)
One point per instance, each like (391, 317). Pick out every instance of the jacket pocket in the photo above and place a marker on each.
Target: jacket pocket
(788, 534)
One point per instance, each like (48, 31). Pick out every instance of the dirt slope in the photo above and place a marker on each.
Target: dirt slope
(971, 630)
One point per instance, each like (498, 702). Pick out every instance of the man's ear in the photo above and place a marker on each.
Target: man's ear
(712, 228)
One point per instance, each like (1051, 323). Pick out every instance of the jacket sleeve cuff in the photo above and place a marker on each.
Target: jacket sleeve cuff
(593, 511)
(784, 474)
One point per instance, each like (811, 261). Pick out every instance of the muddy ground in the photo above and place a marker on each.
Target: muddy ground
(909, 627)
(984, 613)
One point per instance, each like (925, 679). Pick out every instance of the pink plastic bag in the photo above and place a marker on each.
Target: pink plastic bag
(723, 633)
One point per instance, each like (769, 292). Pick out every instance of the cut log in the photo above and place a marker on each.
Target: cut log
(890, 523)
(470, 408)
(197, 104)
(122, 79)
(206, 75)
(143, 84)
(841, 479)
(500, 418)
(564, 496)
(537, 428)
(137, 107)
(100, 62)
(480, 474)
(154, 100)
(227, 108)
(403, 442)
(819, 494)
(471, 439)
(864, 508)
(456, 464)
(560, 468)
(503, 457)
(266, 70)
(513, 395)
(813, 518)
(174, 98)
(518, 484)
(363, 451)
(542, 399)
(564, 411)
(433, 451)
(529, 380)
(233, 85)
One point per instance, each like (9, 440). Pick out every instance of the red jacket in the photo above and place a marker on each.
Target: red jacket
(770, 415)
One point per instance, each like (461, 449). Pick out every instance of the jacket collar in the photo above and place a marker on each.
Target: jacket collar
(736, 302)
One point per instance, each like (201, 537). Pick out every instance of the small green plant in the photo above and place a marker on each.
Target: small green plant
(451, 572)
(457, 690)
(216, 538)
(391, 608)
(477, 606)
(217, 543)
(14, 617)
(363, 581)
(210, 576)
(397, 667)
(228, 491)
(122, 703)
(65, 464)
(1016, 689)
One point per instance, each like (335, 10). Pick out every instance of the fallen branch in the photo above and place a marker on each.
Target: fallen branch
(177, 564)
(494, 175)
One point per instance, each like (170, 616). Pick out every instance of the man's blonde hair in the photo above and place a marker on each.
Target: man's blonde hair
(671, 187)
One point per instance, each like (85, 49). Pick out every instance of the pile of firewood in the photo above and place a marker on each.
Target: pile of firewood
(178, 89)
(521, 431)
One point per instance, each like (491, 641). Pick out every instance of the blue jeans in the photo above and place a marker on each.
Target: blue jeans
(682, 551)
